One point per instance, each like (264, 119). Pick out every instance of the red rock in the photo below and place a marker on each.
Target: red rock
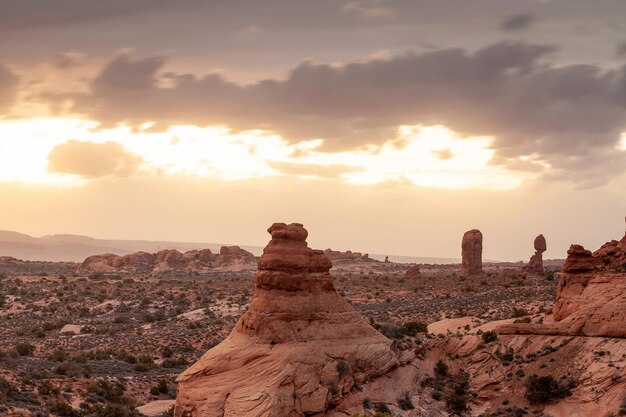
(536, 261)
(590, 299)
(471, 253)
(282, 358)
(580, 260)
(335, 255)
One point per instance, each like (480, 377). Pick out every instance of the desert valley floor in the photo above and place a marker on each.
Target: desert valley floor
(111, 344)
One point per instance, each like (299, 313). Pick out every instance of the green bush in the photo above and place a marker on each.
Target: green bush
(160, 388)
(543, 389)
(415, 327)
(63, 409)
(489, 336)
(441, 368)
(24, 349)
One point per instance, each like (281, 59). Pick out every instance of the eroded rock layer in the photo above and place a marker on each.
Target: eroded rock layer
(299, 349)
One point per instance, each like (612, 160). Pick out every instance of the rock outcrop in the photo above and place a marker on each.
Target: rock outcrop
(536, 261)
(299, 349)
(472, 253)
(170, 260)
(590, 299)
(335, 255)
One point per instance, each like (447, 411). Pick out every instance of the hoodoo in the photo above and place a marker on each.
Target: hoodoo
(536, 261)
(472, 253)
(591, 296)
(298, 349)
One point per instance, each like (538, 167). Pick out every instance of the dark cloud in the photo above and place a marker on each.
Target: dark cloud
(506, 90)
(8, 88)
(620, 51)
(92, 160)
(517, 22)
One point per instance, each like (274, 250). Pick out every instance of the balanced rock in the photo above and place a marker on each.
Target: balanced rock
(472, 253)
(536, 261)
(590, 299)
(299, 349)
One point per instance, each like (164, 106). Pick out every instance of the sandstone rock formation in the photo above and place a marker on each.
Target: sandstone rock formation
(536, 261)
(335, 255)
(230, 258)
(591, 296)
(472, 253)
(413, 272)
(299, 349)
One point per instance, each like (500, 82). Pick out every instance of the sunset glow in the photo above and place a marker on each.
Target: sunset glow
(424, 156)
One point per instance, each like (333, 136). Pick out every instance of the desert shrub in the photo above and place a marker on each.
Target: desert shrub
(24, 349)
(63, 409)
(160, 388)
(7, 390)
(59, 355)
(392, 331)
(456, 401)
(519, 312)
(112, 391)
(367, 404)
(543, 389)
(178, 362)
(405, 403)
(415, 327)
(382, 408)
(489, 336)
(437, 395)
(441, 368)
(342, 367)
(47, 388)
(110, 410)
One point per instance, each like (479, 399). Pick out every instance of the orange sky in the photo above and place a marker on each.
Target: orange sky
(362, 119)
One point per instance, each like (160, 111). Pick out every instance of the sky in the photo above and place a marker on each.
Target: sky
(384, 126)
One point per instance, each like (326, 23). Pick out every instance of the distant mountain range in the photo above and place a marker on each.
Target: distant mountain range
(75, 248)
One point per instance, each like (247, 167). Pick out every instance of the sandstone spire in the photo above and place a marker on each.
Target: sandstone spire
(296, 351)
(472, 253)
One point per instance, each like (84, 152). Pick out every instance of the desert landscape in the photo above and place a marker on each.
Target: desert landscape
(312, 208)
(123, 336)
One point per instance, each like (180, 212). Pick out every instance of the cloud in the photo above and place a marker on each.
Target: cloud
(517, 22)
(620, 51)
(68, 60)
(92, 160)
(8, 88)
(370, 10)
(507, 90)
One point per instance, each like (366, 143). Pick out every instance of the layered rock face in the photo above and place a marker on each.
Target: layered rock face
(536, 261)
(472, 253)
(230, 257)
(298, 349)
(590, 299)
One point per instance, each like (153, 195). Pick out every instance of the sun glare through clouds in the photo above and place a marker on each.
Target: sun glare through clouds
(431, 156)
